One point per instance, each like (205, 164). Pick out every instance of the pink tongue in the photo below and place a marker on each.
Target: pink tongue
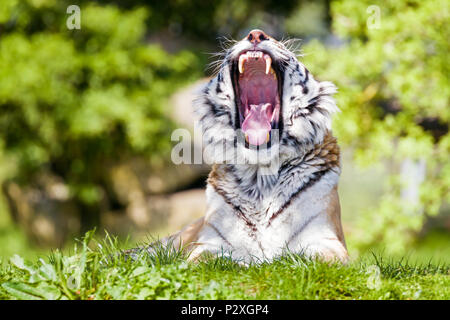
(257, 124)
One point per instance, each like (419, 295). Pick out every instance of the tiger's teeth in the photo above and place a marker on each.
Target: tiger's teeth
(242, 59)
(268, 63)
(254, 54)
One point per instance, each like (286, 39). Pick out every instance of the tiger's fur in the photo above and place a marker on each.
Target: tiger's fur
(256, 214)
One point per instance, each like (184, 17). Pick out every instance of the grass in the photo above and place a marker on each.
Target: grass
(93, 270)
(83, 271)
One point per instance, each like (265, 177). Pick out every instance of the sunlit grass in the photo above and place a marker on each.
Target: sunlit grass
(94, 270)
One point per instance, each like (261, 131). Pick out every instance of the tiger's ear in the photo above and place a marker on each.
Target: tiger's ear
(309, 106)
(327, 87)
(306, 96)
(325, 100)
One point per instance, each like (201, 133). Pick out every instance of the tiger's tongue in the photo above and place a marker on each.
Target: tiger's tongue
(256, 125)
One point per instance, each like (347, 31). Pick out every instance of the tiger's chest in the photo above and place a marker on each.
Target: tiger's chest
(262, 229)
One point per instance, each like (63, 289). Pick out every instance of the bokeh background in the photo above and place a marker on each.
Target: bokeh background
(86, 115)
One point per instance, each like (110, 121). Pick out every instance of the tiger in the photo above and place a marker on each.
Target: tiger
(265, 109)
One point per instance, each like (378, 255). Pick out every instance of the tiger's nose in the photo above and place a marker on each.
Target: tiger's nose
(255, 36)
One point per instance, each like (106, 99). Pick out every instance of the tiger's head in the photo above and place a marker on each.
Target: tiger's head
(263, 105)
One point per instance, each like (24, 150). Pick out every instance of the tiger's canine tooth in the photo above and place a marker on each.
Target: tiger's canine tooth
(268, 63)
(242, 59)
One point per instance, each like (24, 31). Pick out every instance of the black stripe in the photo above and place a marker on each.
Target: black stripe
(219, 233)
(310, 183)
(218, 89)
(236, 208)
(217, 110)
(306, 76)
(296, 233)
(305, 89)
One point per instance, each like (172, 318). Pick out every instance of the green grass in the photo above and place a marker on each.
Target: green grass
(93, 271)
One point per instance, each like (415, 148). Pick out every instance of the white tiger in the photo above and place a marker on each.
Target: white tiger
(277, 188)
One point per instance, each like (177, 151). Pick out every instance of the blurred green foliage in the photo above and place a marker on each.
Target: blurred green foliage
(72, 101)
(394, 95)
(208, 20)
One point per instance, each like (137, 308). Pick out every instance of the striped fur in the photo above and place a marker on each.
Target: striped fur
(256, 209)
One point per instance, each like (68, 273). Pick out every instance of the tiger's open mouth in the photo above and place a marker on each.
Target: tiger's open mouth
(257, 82)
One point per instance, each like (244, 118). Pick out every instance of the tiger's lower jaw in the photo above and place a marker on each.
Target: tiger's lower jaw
(240, 154)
